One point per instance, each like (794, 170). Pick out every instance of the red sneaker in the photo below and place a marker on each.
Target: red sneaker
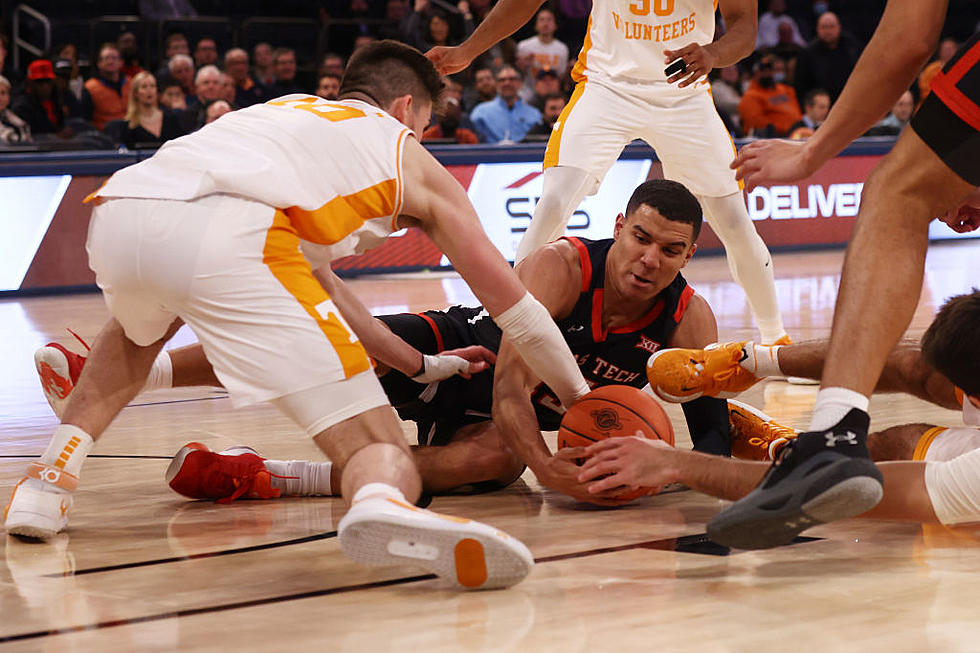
(199, 473)
(58, 369)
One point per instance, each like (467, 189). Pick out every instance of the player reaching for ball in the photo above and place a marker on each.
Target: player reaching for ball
(622, 93)
(615, 301)
(931, 473)
(223, 228)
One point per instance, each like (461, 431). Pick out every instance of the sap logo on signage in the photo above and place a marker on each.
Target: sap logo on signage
(785, 203)
(505, 195)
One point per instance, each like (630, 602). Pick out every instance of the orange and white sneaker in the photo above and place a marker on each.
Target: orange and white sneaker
(681, 375)
(58, 368)
(37, 509)
(469, 554)
(199, 473)
(755, 436)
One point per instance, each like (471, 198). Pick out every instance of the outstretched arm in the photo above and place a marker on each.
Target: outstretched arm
(886, 68)
(552, 273)
(904, 371)
(651, 463)
(383, 345)
(435, 201)
(502, 21)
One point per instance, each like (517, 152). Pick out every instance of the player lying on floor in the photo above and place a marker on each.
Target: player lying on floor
(615, 301)
(935, 471)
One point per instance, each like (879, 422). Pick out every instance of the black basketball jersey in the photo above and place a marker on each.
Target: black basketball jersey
(613, 356)
(616, 356)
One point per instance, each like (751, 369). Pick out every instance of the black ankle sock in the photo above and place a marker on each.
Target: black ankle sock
(849, 436)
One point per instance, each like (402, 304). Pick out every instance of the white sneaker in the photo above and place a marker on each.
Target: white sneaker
(471, 555)
(36, 511)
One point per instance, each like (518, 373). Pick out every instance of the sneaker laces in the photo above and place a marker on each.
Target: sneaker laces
(79, 338)
(238, 476)
(737, 355)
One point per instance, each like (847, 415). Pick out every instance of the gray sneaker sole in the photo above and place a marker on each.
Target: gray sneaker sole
(822, 489)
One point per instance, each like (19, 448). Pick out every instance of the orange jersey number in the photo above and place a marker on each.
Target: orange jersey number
(660, 7)
(323, 109)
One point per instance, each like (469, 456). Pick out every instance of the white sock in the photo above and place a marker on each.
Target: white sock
(832, 404)
(564, 188)
(66, 452)
(762, 360)
(377, 491)
(301, 478)
(748, 260)
(161, 374)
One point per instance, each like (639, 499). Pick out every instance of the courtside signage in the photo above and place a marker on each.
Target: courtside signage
(27, 205)
(505, 195)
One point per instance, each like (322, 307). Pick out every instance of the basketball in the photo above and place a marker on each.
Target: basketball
(615, 411)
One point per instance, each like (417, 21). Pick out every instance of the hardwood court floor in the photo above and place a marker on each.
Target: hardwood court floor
(140, 568)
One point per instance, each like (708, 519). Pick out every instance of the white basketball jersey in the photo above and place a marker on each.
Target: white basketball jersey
(626, 38)
(333, 168)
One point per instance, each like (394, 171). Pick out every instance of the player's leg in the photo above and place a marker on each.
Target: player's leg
(475, 455)
(117, 368)
(592, 131)
(695, 148)
(828, 473)
(284, 340)
(748, 260)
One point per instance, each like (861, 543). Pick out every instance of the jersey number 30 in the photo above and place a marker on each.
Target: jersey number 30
(660, 7)
(321, 108)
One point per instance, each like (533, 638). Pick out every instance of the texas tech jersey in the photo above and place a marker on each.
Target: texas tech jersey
(613, 356)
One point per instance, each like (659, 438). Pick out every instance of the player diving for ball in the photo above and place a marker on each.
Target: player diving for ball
(615, 302)
(932, 473)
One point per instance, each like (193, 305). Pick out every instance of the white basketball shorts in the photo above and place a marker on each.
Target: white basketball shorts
(231, 268)
(681, 125)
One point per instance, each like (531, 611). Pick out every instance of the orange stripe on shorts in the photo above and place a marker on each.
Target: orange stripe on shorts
(290, 267)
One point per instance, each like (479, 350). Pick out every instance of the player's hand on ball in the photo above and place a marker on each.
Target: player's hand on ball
(561, 475)
(448, 60)
(768, 161)
(628, 461)
(698, 62)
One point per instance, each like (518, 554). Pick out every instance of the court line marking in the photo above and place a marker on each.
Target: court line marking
(238, 605)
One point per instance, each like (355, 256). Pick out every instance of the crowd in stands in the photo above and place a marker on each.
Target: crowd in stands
(120, 96)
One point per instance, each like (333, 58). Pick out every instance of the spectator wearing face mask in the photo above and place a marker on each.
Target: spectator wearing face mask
(769, 107)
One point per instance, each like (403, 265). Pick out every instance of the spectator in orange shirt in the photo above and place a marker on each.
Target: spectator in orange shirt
(109, 87)
(947, 48)
(769, 107)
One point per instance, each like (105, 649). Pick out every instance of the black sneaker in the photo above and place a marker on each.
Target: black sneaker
(819, 477)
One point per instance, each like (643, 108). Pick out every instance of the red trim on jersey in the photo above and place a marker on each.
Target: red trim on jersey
(586, 261)
(644, 321)
(682, 303)
(944, 86)
(598, 334)
(435, 330)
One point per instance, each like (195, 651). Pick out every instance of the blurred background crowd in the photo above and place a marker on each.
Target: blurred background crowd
(145, 71)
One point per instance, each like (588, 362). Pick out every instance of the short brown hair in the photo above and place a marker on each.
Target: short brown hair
(385, 70)
(950, 344)
(672, 200)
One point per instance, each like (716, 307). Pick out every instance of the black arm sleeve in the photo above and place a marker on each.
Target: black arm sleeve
(707, 420)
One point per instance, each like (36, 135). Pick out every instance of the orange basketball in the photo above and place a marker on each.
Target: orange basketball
(614, 411)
